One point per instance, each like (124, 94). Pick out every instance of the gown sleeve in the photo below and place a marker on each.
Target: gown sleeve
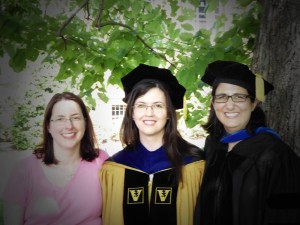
(284, 198)
(111, 178)
(188, 191)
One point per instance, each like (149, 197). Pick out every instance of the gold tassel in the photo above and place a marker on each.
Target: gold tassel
(185, 110)
(259, 88)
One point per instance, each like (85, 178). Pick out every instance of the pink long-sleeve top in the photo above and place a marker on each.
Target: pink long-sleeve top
(79, 202)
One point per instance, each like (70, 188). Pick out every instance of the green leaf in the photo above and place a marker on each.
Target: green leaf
(18, 61)
(187, 26)
(227, 35)
(154, 26)
(32, 54)
(87, 82)
(186, 36)
(90, 100)
(103, 96)
(186, 14)
(64, 72)
(195, 3)
(212, 5)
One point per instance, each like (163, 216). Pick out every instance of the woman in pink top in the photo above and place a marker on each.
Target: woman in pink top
(59, 183)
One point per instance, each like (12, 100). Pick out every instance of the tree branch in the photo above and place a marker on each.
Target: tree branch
(98, 19)
(112, 23)
(63, 26)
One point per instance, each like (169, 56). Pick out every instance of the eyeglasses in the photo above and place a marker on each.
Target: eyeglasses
(222, 98)
(156, 107)
(63, 120)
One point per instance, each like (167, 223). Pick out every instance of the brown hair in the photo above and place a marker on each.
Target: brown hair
(88, 150)
(175, 145)
(215, 128)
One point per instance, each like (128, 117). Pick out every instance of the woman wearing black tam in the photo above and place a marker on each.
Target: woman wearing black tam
(251, 176)
(155, 179)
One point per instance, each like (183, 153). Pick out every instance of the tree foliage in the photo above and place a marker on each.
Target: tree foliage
(90, 38)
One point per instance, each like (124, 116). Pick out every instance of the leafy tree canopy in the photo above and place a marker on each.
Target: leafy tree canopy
(88, 38)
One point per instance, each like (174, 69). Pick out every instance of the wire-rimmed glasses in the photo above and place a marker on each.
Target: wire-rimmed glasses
(156, 107)
(63, 120)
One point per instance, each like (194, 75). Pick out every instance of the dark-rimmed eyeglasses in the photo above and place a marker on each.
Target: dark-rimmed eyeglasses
(222, 98)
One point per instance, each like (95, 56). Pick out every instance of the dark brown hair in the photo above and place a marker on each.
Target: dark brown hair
(88, 150)
(175, 145)
(215, 128)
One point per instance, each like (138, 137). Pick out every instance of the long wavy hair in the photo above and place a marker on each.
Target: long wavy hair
(216, 129)
(88, 144)
(176, 147)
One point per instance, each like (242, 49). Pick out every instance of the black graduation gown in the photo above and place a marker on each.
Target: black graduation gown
(256, 183)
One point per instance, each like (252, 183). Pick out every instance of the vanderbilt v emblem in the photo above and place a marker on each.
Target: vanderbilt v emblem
(135, 195)
(163, 195)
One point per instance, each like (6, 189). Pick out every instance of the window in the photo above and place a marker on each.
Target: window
(201, 10)
(117, 111)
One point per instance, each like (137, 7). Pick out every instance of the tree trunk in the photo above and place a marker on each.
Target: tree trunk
(277, 58)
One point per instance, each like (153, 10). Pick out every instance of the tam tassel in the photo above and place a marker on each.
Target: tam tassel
(259, 88)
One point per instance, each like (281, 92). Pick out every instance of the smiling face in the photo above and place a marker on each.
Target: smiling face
(233, 115)
(66, 134)
(151, 121)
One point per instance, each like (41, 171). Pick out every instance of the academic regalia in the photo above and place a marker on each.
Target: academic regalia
(256, 183)
(140, 187)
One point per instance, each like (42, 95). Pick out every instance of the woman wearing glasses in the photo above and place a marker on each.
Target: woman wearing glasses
(251, 175)
(155, 179)
(58, 183)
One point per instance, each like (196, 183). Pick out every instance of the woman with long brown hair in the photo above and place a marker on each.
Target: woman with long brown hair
(58, 183)
(156, 177)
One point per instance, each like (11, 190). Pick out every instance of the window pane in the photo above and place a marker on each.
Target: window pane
(118, 111)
